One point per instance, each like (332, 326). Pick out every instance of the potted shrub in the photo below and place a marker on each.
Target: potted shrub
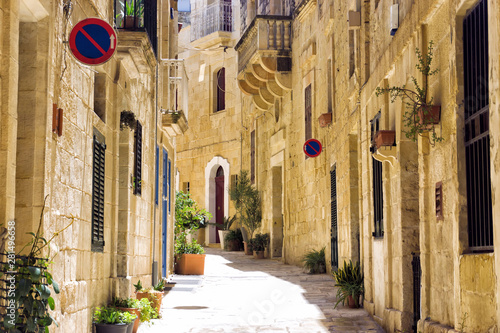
(29, 277)
(189, 256)
(112, 320)
(349, 280)
(127, 119)
(420, 113)
(233, 240)
(154, 295)
(259, 244)
(247, 202)
(131, 14)
(225, 226)
(141, 308)
(314, 261)
(385, 138)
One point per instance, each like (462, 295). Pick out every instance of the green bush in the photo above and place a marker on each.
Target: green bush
(111, 315)
(146, 309)
(314, 261)
(259, 242)
(350, 282)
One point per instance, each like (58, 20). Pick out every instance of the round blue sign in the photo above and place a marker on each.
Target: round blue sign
(312, 148)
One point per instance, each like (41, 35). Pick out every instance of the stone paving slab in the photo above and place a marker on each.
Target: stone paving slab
(242, 294)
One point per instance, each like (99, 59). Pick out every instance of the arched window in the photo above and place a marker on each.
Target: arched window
(220, 79)
(220, 172)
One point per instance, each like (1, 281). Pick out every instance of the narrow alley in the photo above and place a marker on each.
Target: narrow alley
(242, 294)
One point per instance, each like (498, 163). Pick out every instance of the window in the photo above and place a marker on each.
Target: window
(308, 112)
(334, 233)
(100, 96)
(221, 89)
(186, 187)
(477, 139)
(252, 157)
(98, 182)
(138, 159)
(378, 199)
(352, 64)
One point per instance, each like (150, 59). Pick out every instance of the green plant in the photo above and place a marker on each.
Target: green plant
(418, 103)
(146, 310)
(233, 235)
(259, 242)
(183, 247)
(247, 202)
(159, 286)
(226, 223)
(28, 290)
(112, 316)
(138, 286)
(349, 280)
(314, 261)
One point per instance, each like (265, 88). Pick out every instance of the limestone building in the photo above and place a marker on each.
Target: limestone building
(209, 153)
(419, 215)
(97, 141)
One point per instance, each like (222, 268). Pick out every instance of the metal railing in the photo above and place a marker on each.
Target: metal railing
(138, 15)
(218, 16)
(267, 33)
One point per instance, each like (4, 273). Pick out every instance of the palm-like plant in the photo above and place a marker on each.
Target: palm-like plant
(314, 261)
(247, 202)
(350, 282)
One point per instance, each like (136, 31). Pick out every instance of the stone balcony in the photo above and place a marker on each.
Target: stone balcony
(265, 59)
(174, 123)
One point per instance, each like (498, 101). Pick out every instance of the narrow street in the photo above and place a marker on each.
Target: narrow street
(242, 294)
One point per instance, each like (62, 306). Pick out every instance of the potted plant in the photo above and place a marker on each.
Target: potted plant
(112, 320)
(141, 308)
(30, 282)
(314, 261)
(384, 138)
(154, 295)
(233, 240)
(131, 14)
(247, 202)
(189, 256)
(225, 226)
(127, 119)
(259, 244)
(349, 280)
(420, 113)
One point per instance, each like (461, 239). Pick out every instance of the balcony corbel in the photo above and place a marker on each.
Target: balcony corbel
(284, 80)
(266, 96)
(274, 89)
(246, 88)
(259, 103)
(260, 73)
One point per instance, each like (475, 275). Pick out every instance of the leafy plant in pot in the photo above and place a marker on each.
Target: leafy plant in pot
(130, 14)
(314, 261)
(142, 308)
(226, 224)
(349, 280)
(259, 244)
(154, 295)
(32, 282)
(234, 240)
(189, 256)
(420, 114)
(112, 320)
(247, 202)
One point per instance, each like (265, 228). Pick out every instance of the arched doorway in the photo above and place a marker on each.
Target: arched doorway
(219, 200)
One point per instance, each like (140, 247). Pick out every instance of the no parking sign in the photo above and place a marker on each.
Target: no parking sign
(92, 41)
(312, 148)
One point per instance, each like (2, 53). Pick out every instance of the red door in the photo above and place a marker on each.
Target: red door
(219, 201)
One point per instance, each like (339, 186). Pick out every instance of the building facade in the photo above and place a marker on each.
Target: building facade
(209, 153)
(91, 145)
(419, 215)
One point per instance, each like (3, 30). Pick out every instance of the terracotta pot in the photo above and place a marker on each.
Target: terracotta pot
(128, 22)
(429, 115)
(233, 245)
(136, 323)
(154, 298)
(385, 138)
(325, 119)
(109, 328)
(351, 302)
(191, 264)
(258, 254)
(248, 249)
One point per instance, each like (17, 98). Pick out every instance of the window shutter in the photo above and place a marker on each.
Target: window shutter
(378, 203)
(157, 173)
(169, 186)
(221, 89)
(138, 159)
(334, 232)
(308, 112)
(98, 181)
(252, 157)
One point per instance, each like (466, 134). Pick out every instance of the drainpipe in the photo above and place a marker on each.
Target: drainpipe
(154, 268)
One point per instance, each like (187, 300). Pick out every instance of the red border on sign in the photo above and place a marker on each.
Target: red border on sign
(82, 58)
(317, 152)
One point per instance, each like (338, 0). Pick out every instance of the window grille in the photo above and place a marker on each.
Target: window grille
(252, 157)
(138, 159)
(334, 232)
(378, 199)
(98, 185)
(477, 139)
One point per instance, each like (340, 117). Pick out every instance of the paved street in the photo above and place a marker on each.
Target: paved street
(242, 294)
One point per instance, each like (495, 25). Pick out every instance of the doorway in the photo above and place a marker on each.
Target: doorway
(219, 201)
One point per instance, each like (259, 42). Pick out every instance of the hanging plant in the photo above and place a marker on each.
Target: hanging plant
(127, 119)
(420, 113)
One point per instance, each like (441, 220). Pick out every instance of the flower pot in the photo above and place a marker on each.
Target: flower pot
(248, 249)
(325, 119)
(154, 297)
(129, 22)
(429, 115)
(136, 322)
(351, 302)
(258, 254)
(233, 245)
(190, 264)
(112, 328)
(222, 236)
(385, 138)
